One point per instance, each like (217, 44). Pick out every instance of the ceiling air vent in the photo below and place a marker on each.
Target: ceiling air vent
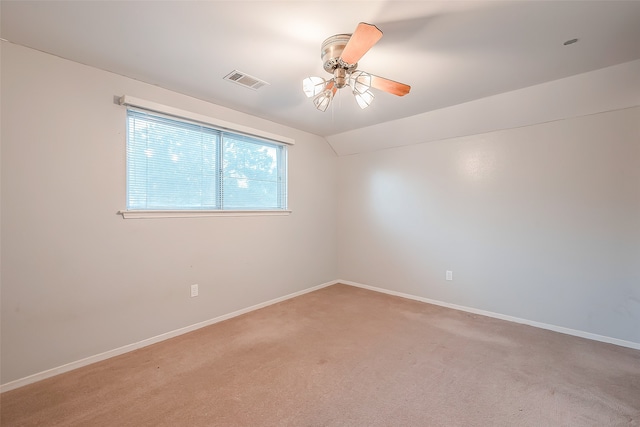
(245, 80)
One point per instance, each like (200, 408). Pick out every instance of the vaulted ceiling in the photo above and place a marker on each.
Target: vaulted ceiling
(450, 52)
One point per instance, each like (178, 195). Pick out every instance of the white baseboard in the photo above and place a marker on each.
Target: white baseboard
(541, 325)
(131, 347)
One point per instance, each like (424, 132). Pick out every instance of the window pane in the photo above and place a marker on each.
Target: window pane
(170, 164)
(251, 174)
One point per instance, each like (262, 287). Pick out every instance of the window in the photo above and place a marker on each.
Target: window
(182, 165)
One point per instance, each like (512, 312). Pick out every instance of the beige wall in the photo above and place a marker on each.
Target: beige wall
(78, 279)
(540, 222)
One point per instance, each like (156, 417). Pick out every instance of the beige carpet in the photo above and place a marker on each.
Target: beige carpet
(344, 356)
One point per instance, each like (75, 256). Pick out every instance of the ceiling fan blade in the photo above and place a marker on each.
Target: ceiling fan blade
(389, 86)
(365, 36)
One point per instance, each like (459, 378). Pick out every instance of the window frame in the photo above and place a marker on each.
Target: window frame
(219, 125)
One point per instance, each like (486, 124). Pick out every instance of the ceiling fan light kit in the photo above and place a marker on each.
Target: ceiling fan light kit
(340, 55)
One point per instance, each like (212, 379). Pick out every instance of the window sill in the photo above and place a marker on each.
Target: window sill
(198, 214)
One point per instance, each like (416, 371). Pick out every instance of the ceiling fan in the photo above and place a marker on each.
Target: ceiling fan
(340, 55)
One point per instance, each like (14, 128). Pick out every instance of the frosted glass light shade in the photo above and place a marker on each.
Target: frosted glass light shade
(363, 99)
(360, 81)
(322, 100)
(313, 86)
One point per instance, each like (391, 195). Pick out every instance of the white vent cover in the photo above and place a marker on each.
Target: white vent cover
(245, 80)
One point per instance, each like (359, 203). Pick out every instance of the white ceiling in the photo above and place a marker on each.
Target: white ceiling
(450, 52)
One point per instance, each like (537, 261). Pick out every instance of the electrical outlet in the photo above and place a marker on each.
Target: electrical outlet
(194, 290)
(449, 275)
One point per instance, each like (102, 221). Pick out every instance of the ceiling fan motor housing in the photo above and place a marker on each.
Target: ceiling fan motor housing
(330, 53)
(336, 53)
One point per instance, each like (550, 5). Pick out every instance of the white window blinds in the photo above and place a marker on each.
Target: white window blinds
(176, 164)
